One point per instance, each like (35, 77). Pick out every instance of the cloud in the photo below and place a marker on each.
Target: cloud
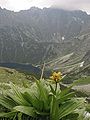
(17, 5)
(3, 2)
(72, 4)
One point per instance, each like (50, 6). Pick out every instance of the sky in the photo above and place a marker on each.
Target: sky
(17, 5)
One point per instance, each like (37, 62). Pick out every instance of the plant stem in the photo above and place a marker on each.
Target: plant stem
(42, 71)
(56, 86)
(60, 86)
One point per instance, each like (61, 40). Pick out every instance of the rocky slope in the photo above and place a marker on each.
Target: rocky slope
(37, 35)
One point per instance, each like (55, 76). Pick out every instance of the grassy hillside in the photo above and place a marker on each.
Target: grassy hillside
(10, 75)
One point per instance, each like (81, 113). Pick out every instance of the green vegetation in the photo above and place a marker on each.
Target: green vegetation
(42, 101)
(10, 75)
(22, 99)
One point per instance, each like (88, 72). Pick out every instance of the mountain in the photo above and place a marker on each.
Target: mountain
(86, 58)
(37, 35)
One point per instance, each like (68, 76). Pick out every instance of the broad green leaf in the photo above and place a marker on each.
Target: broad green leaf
(33, 100)
(66, 97)
(26, 110)
(17, 96)
(7, 102)
(44, 94)
(69, 106)
(9, 114)
(65, 91)
(72, 116)
(54, 109)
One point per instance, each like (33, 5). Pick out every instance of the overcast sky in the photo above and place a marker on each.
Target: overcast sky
(17, 5)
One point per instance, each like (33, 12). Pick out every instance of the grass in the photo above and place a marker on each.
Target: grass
(10, 75)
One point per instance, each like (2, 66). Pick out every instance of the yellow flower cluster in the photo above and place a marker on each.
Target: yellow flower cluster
(56, 76)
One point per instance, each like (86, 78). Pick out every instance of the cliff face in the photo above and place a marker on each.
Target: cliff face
(35, 35)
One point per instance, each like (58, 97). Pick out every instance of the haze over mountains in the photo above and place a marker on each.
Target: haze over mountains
(37, 35)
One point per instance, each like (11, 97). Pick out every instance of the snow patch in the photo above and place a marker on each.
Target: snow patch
(63, 38)
(81, 64)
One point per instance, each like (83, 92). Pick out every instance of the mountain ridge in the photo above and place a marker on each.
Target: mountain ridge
(38, 35)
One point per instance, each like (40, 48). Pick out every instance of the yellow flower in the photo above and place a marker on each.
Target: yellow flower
(56, 76)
